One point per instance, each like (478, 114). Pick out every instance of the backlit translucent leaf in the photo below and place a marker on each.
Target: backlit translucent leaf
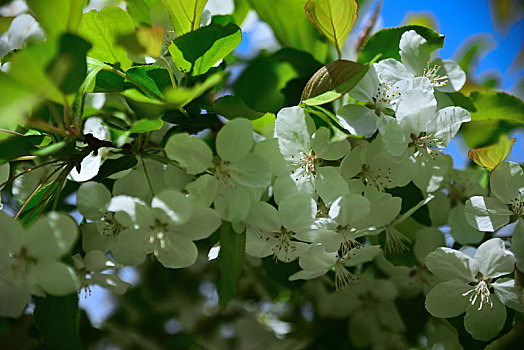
(57, 16)
(493, 105)
(334, 19)
(297, 33)
(185, 14)
(490, 156)
(102, 29)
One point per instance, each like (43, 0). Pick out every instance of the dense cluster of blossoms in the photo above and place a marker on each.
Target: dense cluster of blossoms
(307, 194)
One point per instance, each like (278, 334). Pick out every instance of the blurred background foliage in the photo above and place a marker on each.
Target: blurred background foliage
(280, 50)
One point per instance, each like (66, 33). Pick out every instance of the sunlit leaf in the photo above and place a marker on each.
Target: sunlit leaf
(57, 16)
(290, 26)
(103, 29)
(196, 52)
(332, 81)
(490, 156)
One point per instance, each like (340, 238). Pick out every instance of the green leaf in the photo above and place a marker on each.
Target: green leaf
(385, 42)
(38, 203)
(113, 166)
(139, 11)
(57, 16)
(59, 149)
(155, 79)
(103, 29)
(196, 52)
(15, 101)
(146, 41)
(233, 107)
(146, 125)
(185, 14)
(334, 18)
(230, 262)
(69, 68)
(178, 98)
(332, 81)
(490, 157)
(17, 146)
(494, 105)
(29, 70)
(57, 320)
(291, 27)
(271, 76)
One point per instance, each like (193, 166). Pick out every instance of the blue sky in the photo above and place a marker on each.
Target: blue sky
(458, 20)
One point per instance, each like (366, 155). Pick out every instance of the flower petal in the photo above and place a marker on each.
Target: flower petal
(55, 278)
(235, 140)
(175, 207)
(449, 264)
(179, 252)
(486, 323)
(297, 212)
(507, 182)
(51, 236)
(505, 289)
(358, 120)
(131, 247)
(486, 213)
(202, 224)
(445, 300)
(92, 200)
(456, 76)
(414, 51)
(493, 260)
(191, 153)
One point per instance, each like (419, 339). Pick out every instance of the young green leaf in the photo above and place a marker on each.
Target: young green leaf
(334, 19)
(494, 105)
